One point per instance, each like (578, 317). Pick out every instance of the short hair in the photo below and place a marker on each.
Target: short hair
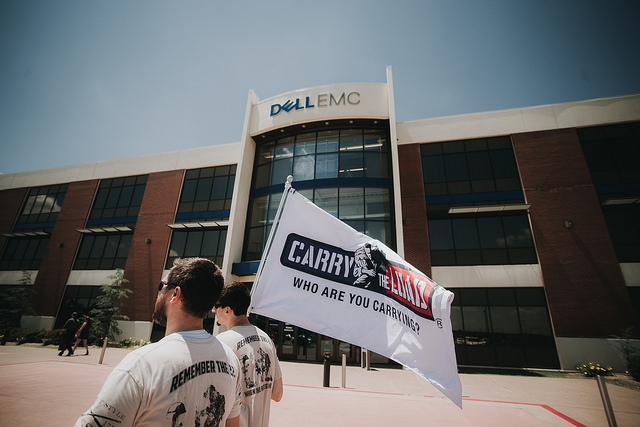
(236, 296)
(201, 282)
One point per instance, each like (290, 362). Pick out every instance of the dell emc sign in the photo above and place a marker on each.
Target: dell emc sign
(323, 100)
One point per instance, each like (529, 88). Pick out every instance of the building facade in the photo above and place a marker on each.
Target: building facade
(530, 216)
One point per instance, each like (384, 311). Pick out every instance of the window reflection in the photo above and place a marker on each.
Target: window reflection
(502, 327)
(341, 157)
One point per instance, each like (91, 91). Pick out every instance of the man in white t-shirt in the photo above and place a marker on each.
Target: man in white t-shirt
(188, 378)
(262, 377)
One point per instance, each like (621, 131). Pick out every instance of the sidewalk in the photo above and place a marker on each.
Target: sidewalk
(39, 388)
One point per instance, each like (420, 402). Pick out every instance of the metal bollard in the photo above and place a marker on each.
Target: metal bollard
(104, 348)
(604, 394)
(366, 360)
(344, 370)
(327, 369)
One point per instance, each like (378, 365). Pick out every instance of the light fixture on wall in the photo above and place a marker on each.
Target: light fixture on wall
(568, 223)
(147, 241)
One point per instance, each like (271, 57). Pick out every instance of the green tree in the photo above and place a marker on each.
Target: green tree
(14, 302)
(106, 313)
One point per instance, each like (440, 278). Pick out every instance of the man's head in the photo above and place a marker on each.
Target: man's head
(200, 281)
(236, 296)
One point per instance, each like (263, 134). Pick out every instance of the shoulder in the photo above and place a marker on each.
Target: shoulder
(229, 335)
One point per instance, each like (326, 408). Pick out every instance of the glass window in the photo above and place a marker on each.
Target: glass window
(535, 321)
(219, 188)
(610, 152)
(485, 240)
(326, 166)
(117, 199)
(456, 167)
(505, 163)
(351, 140)
(479, 165)
(375, 141)
(204, 189)
(112, 197)
(205, 243)
(345, 159)
(377, 203)
(262, 176)
(305, 144)
(125, 197)
(517, 231)
(504, 320)
(42, 205)
(623, 222)
(476, 320)
(440, 234)
(210, 243)
(327, 141)
(284, 148)
(465, 235)
(258, 212)
(351, 164)
(23, 253)
(327, 200)
(470, 167)
(100, 201)
(194, 242)
(103, 251)
(304, 168)
(376, 165)
(491, 233)
(207, 192)
(264, 153)
(380, 230)
(282, 168)
(351, 203)
(493, 328)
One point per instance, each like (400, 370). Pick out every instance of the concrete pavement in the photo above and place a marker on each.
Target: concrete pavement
(39, 388)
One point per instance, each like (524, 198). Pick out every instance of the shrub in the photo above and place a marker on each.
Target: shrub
(39, 336)
(130, 342)
(592, 369)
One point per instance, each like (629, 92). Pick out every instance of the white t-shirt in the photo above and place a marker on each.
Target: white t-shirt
(260, 366)
(187, 378)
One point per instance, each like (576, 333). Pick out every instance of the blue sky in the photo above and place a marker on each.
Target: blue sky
(84, 81)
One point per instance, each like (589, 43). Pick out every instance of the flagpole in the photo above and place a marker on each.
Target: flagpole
(267, 247)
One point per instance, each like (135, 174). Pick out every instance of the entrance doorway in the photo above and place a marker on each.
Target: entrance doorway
(295, 343)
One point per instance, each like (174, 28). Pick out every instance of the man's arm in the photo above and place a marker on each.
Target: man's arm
(277, 390)
(233, 422)
(118, 402)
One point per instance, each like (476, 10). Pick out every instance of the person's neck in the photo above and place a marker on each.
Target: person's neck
(239, 321)
(185, 324)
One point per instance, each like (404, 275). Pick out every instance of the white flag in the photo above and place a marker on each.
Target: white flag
(322, 275)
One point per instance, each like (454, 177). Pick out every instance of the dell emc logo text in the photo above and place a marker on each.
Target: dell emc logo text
(323, 100)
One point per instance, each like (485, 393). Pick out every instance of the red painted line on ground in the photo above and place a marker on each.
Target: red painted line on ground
(504, 402)
(563, 416)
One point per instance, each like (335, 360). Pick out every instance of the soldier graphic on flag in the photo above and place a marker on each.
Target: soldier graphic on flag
(369, 262)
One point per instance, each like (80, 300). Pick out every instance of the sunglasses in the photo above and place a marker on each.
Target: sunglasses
(162, 285)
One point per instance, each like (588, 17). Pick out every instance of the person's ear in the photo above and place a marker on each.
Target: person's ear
(177, 293)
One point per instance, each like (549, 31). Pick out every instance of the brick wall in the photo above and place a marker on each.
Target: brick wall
(145, 262)
(414, 209)
(585, 289)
